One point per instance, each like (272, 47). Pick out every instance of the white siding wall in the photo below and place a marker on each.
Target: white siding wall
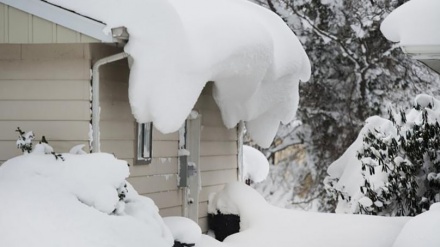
(18, 27)
(44, 88)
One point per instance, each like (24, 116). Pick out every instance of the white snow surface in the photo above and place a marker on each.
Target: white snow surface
(251, 55)
(255, 164)
(414, 23)
(421, 230)
(265, 225)
(183, 229)
(49, 202)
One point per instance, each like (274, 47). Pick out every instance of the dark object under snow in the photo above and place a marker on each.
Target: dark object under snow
(223, 225)
(179, 244)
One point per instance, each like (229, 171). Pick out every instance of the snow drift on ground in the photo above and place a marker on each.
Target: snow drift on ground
(265, 225)
(184, 230)
(422, 230)
(414, 23)
(48, 202)
(251, 55)
(255, 164)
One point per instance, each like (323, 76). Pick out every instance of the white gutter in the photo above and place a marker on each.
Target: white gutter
(95, 97)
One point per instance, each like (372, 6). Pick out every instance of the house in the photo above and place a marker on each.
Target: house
(415, 26)
(46, 58)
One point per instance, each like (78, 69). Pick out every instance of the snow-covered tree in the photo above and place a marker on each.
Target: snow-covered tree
(356, 73)
(400, 165)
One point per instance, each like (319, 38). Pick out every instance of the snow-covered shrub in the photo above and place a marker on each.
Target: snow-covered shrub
(24, 141)
(399, 164)
(255, 165)
(84, 201)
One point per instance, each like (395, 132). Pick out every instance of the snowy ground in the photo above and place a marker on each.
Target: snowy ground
(83, 202)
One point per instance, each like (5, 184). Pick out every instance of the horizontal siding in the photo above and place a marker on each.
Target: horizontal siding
(59, 69)
(208, 190)
(53, 130)
(174, 211)
(44, 90)
(153, 184)
(46, 110)
(116, 111)
(203, 223)
(159, 166)
(17, 26)
(167, 199)
(218, 148)
(218, 134)
(49, 95)
(218, 177)
(212, 163)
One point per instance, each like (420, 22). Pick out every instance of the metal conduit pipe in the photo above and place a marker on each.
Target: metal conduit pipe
(96, 145)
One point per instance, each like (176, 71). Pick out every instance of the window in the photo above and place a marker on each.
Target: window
(144, 143)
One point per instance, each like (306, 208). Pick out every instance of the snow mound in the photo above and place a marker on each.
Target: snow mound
(414, 23)
(81, 201)
(255, 164)
(421, 230)
(184, 230)
(251, 55)
(264, 225)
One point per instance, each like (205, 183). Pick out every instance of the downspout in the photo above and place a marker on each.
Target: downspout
(240, 142)
(96, 147)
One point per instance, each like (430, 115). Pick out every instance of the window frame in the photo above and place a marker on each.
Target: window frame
(144, 143)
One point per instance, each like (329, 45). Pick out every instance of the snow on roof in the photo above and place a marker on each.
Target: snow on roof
(251, 55)
(414, 23)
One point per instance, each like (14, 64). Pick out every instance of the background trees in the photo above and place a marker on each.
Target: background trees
(356, 73)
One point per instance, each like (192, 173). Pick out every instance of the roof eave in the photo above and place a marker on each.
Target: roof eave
(63, 17)
(427, 54)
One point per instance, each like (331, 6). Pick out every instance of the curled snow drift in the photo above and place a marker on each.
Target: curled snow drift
(414, 23)
(255, 164)
(262, 224)
(251, 55)
(49, 202)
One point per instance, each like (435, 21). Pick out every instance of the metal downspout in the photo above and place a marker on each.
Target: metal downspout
(96, 145)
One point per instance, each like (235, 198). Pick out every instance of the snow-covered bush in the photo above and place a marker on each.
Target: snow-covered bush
(84, 201)
(24, 141)
(399, 164)
(255, 165)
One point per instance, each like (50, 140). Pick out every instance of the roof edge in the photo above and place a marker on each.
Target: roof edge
(62, 17)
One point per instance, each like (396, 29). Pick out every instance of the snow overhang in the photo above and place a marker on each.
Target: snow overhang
(253, 58)
(63, 17)
(415, 26)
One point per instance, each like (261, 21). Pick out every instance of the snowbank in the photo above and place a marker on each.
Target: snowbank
(265, 225)
(414, 23)
(255, 164)
(82, 201)
(421, 230)
(251, 55)
(184, 230)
